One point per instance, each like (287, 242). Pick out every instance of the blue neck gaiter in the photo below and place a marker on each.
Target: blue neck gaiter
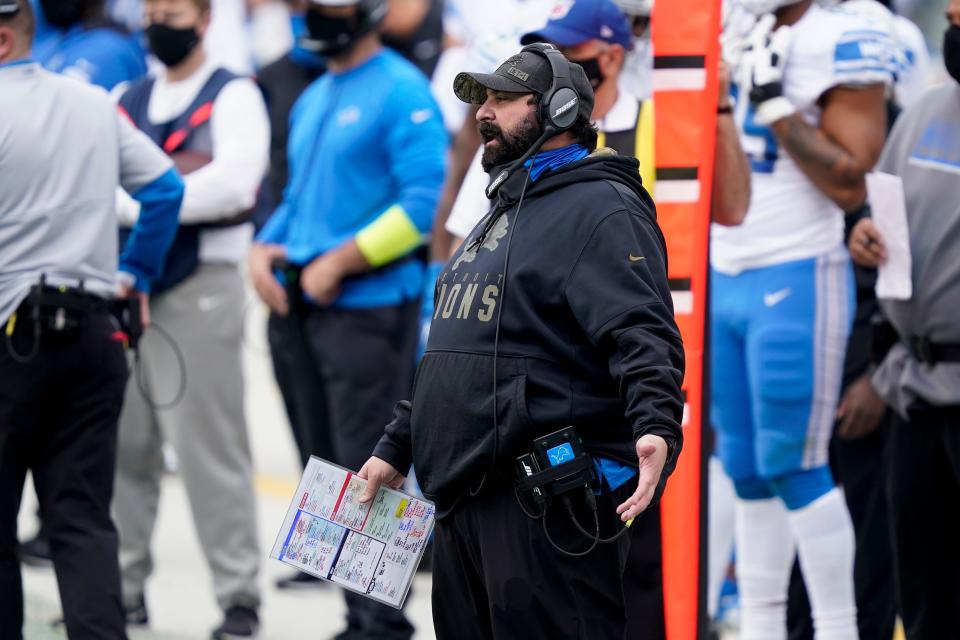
(301, 56)
(554, 159)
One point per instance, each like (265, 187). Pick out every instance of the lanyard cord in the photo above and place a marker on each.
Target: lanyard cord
(496, 341)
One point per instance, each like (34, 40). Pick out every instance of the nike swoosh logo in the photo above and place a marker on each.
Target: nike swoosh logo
(207, 303)
(421, 116)
(775, 298)
(633, 258)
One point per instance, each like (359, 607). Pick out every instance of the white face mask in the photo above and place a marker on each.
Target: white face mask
(760, 7)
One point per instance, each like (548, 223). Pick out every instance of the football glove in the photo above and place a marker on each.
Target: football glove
(766, 60)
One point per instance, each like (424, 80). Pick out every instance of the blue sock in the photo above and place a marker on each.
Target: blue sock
(799, 488)
(754, 488)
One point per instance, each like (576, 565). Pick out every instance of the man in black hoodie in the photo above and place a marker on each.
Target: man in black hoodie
(555, 312)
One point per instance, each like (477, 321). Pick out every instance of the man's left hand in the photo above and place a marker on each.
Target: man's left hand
(652, 451)
(321, 279)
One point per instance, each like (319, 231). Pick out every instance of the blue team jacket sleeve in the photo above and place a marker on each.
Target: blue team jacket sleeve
(155, 229)
(416, 145)
(117, 67)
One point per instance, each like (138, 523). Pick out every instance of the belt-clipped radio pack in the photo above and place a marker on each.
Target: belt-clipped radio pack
(557, 466)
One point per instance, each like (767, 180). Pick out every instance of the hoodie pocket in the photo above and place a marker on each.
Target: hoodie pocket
(452, 418)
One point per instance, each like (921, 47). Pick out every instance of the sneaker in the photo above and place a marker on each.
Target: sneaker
(136, 616)
(36, 552)
(300, 580)
(136, 613)
(239, 622)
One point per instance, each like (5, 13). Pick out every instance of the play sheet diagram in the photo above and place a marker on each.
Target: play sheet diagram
(373, 548)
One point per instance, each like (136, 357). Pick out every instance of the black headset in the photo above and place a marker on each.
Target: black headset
(560, 105)
(9, 7)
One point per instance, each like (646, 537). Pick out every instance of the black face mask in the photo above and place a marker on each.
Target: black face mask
(171, 45)
(330, 36)
(62, 13)
(951, 51)
(591, 67)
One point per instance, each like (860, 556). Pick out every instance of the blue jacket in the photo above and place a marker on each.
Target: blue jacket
(364, 144)
(101, 55)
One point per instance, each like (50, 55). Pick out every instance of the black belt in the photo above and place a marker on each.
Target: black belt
(57, 308)
(49, 298)
(933, 352)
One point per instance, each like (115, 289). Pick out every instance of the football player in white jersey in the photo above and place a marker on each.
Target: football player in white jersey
(810, 104)
(910, 47)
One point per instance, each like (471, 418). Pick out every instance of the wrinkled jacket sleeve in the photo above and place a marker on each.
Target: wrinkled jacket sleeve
(396, 446)
(619, 294)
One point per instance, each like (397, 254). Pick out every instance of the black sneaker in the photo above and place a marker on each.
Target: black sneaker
(300, 580)
(36, 552)
(239, 622)
(136, 613)
(135, 616)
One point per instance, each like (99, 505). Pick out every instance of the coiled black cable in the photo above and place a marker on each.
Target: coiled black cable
(574, 554)
(181, 365)
(580, 528)
(34, 348)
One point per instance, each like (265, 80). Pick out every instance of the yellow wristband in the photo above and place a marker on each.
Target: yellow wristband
(391, 236)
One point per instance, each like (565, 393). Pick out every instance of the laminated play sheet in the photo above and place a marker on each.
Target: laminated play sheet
(373, 549)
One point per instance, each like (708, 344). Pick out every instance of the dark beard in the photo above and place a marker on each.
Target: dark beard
(509, 147)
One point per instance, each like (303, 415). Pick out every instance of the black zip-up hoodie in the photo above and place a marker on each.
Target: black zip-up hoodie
(587, 335)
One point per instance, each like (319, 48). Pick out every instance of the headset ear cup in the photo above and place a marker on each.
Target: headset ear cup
(563, 107)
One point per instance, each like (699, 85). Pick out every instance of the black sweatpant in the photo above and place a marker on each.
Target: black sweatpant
(58, 419)
(643, 577)
(495, 574)
(340, 372)
(860, 466)
(923, 490)
(306, 408)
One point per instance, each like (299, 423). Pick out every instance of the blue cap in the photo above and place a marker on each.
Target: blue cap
(573, 22)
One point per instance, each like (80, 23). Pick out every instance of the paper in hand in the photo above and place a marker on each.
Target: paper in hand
(889, 211)
(370, 548)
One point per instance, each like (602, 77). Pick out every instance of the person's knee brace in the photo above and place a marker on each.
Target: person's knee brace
(799, 488)
(754, 488)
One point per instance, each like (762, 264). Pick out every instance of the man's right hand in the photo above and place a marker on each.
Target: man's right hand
(378, 472)
(127, 291)
(260, 262)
